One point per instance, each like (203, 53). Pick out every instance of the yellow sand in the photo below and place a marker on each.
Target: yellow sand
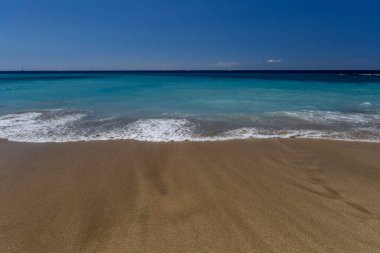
(237, 196)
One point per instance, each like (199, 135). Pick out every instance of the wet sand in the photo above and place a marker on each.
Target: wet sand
(237, 196)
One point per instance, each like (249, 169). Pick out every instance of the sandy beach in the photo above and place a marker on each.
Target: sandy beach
(288, 195)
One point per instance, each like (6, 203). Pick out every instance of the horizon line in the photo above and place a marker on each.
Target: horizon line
(205, 70)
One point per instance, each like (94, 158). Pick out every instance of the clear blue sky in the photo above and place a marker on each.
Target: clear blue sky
(191, 34)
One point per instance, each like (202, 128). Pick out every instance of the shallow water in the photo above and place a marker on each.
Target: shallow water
(177, 106)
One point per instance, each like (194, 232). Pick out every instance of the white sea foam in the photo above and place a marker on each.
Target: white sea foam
(249, 133)
(66, 127)
(154, 130)
(34, 127)
(366, 104)
(333, 117)
(372, 74)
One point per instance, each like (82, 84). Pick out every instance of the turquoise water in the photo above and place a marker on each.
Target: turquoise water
(164, 106)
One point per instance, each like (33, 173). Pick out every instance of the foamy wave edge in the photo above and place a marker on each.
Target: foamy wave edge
(33, 127)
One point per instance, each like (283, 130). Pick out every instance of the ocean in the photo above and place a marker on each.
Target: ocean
(189, 105)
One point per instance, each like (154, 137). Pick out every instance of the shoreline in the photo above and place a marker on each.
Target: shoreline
(253, 195)
(198, 141)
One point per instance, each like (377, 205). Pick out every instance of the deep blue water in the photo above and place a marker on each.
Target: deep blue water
(63, 106)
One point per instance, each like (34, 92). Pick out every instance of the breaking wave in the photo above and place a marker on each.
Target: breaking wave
(71, 125)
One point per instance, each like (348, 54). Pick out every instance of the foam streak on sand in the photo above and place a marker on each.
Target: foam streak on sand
(283, 195)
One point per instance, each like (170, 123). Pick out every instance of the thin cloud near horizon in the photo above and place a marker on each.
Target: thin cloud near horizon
(227, 64)
(274, 61)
